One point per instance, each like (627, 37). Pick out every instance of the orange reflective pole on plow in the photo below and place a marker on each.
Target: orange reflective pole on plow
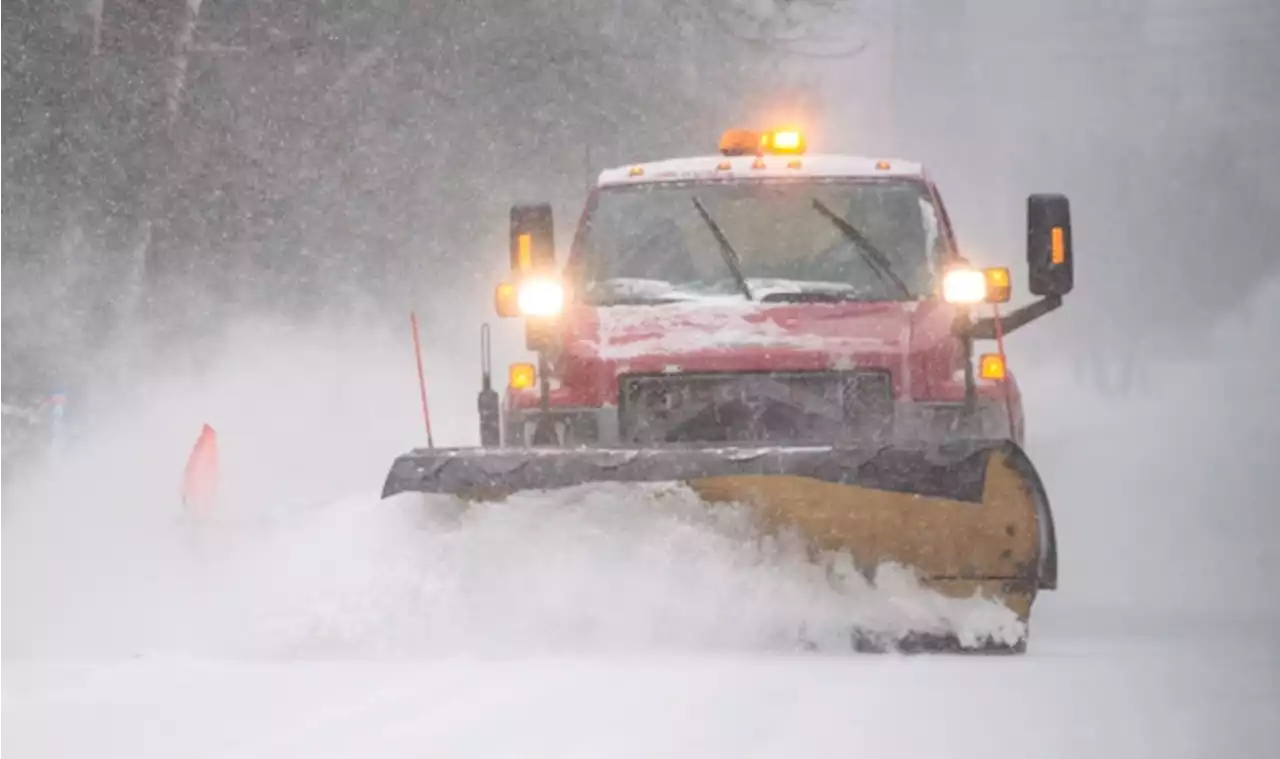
(1004, 382)
(422, 380)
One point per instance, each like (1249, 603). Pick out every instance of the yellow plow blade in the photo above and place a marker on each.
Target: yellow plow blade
(970, 517)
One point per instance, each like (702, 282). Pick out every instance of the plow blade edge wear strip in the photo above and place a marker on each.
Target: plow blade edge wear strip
(969, 516)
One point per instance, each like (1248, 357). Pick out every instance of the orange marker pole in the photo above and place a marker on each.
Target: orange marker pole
(1008, 393)
(422, 380)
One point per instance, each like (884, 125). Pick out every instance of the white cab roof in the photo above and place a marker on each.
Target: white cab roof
(775, 166)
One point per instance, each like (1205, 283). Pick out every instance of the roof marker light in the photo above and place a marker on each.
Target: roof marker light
(882, 165)
(636, 171)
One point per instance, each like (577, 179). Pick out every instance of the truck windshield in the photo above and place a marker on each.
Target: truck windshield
(789, 239)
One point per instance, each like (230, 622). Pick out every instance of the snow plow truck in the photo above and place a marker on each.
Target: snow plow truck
(789, 331)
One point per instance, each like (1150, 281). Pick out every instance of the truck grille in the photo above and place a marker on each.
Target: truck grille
(795, 407)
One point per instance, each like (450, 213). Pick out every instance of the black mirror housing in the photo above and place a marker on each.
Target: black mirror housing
(1049, 260)
(533, 242)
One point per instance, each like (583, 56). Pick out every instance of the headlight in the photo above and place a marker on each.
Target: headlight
(964, 287)
(540, 297)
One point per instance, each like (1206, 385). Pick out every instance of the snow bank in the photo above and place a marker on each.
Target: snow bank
(596, 568)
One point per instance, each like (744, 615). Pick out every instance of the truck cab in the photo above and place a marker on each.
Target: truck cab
(764, 295)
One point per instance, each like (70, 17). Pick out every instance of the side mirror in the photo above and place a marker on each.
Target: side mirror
(533, 256)
(533, 243)
(1049, 245)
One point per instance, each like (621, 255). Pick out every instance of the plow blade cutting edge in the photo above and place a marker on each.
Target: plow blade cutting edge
(967, 516)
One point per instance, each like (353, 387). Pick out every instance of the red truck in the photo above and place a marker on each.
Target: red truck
(791, 331)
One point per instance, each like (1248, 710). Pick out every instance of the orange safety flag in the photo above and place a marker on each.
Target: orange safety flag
(199, 481)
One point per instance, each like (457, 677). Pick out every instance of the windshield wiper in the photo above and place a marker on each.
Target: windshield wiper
(879, 263)
(810, 296)
(727, 252)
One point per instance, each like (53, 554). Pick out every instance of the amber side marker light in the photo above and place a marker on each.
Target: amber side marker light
(506, 300)
(991, 366)
(999, 284)
(521, 376)
(524, 256)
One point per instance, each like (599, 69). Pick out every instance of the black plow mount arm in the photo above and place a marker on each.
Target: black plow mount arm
(985, 328)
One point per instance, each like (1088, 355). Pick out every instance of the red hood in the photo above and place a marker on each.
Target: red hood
(677, 332)
(602, 343)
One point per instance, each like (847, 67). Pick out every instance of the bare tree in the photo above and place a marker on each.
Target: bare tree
(177, 80)
(812, 28)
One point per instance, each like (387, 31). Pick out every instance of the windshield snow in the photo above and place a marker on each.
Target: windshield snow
(852, 239)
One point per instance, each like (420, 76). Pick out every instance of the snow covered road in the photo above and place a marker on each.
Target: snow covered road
(1123, 695)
